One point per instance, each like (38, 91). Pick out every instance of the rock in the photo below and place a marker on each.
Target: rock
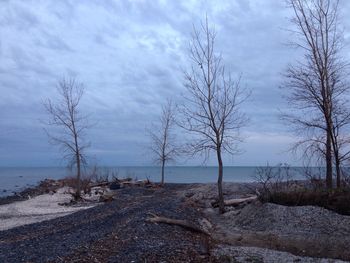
(197, 197)
(203, 248)
(107, 197)
(189, 194)
(232, 213)
(205, 224)
(209, 210)
(114, 186)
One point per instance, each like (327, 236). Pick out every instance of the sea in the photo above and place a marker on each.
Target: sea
(15, 179)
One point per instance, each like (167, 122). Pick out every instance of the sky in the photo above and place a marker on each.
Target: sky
(130, 57)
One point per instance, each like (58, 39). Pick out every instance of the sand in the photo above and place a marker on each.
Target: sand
(38, 209)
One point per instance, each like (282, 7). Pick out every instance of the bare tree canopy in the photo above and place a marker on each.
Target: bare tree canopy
(212, 113)
(163, 145)
(317, 85)
(70, 125)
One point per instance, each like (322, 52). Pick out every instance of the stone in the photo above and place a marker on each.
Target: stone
(114, 186)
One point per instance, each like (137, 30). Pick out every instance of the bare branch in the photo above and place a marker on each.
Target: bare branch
(316, 85)
(65, 116)
(212, 113)
(163, 141)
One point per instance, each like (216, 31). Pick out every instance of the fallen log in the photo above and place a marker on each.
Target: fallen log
(170, 221)
(236, 201)
(99, 184)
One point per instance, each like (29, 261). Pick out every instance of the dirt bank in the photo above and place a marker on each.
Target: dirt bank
(302, 230)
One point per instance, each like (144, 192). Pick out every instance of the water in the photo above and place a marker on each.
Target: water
(16, 179)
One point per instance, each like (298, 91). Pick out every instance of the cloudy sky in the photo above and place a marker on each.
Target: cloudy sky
(130, 55)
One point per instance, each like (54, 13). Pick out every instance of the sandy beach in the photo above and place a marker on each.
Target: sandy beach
(38, 209)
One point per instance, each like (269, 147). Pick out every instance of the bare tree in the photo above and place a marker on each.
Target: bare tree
(317, 82)
(70, 126)
(212, 112)
(163, 138)
(272, 180)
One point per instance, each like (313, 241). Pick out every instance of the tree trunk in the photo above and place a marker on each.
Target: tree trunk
(337, 160)
(163, 164)
(220, 176)
(77, 194)
(338, 170)
(329, 172)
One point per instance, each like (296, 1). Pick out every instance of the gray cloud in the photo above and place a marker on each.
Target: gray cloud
(18, 16)
(130, 55)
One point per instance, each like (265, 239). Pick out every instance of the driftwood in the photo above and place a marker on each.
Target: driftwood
(236, 201)
(105, 183)
(124, 182)
(182, 223)
(107, 197)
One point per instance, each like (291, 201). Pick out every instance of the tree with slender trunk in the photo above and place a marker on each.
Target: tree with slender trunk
(163, 144)
(70, 126)
(341, 141)
(316, 83)
(212, 109)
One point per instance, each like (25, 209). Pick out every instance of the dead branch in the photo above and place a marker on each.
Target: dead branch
(170, 221)
(236, 201)
(99, 184)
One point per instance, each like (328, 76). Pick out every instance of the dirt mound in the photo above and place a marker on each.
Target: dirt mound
(303, 230)
(228, 254)
(337, 201)
(292, 220)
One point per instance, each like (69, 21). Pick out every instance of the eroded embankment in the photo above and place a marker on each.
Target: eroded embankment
(301, 230)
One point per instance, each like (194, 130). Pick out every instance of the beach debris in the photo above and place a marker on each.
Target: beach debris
(97, 184)
(114, 186)
(236, 201)
(205, 224)
(107, 197)
(178, 222)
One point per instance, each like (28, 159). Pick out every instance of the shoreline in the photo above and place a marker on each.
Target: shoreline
(10, 177)
(263, 231)
(42, 187)
(42, 207)
(48, 185)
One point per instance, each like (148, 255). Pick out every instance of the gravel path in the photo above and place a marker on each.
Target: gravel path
(113, 232)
